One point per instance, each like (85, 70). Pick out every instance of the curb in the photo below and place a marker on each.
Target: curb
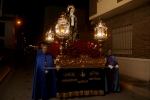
(3, 76)
(125, 85)
(135, 89)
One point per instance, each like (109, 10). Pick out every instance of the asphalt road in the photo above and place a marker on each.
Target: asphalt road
(18, 86)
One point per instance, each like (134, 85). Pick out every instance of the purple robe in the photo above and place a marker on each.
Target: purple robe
(112, 75)
(111, 60)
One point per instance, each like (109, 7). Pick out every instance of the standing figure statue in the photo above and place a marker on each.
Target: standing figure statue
(73, 23)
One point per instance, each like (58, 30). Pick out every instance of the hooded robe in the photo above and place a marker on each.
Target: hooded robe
(44, 85)
(112, 75)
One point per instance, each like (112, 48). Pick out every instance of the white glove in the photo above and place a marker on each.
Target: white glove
(110, 66)
(46, 71)
(117, 66)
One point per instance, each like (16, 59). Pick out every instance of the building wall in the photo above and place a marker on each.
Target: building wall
(140, 20)
(8, 36)
(136, 64)
(92, 7)
(135, 67)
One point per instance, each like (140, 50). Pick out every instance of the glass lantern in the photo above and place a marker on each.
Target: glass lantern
(50, 36)
(62, 30)
(100, 33)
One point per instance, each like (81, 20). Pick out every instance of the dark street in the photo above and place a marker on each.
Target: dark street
(17, 85)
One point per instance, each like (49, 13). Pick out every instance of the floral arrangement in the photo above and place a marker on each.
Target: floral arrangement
(75, 49)
(54, 49)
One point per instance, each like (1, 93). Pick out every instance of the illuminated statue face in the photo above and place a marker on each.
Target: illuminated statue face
(71, 11)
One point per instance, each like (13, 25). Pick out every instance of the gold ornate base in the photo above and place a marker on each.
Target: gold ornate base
(86, 92)
(81, 93)
(76, 93)
(94, 92)
(101, 92)
(70, 94)
(65, 95)
(58, 95)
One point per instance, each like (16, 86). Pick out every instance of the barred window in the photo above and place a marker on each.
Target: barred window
(122, 40)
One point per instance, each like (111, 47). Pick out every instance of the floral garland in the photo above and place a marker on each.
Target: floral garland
(76, 49)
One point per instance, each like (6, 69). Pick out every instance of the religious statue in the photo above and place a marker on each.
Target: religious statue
(73, 23)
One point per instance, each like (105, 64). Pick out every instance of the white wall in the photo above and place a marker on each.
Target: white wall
(134, 67)
(8, 36)
(107, 8)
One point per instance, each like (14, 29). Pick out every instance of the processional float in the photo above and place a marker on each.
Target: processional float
(66, 29)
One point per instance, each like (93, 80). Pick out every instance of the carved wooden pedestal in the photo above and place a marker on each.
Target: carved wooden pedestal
(79, 76)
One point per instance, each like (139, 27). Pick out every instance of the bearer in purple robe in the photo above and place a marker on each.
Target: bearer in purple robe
(112, 73)
(44, 86)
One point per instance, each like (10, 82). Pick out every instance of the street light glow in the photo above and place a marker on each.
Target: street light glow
(18, 22)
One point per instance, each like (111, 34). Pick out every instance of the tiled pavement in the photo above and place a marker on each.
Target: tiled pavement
(18, 86)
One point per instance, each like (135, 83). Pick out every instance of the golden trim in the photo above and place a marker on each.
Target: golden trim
(91, 92)
(82, 74)
(95, 92)
(83, 61)
(69, 80)
(83, 81)
(81, 92)
(76, 93)
(59, 95)
(65, 95)
(70, 94)
(101, 92)
(94, 78)
(94, 73)
(69, 74)
(86, 92)
(73, 93)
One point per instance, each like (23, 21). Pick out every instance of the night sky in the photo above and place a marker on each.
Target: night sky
(31, 13)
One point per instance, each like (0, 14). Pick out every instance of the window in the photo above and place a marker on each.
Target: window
(2, 29)
(122, 40)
